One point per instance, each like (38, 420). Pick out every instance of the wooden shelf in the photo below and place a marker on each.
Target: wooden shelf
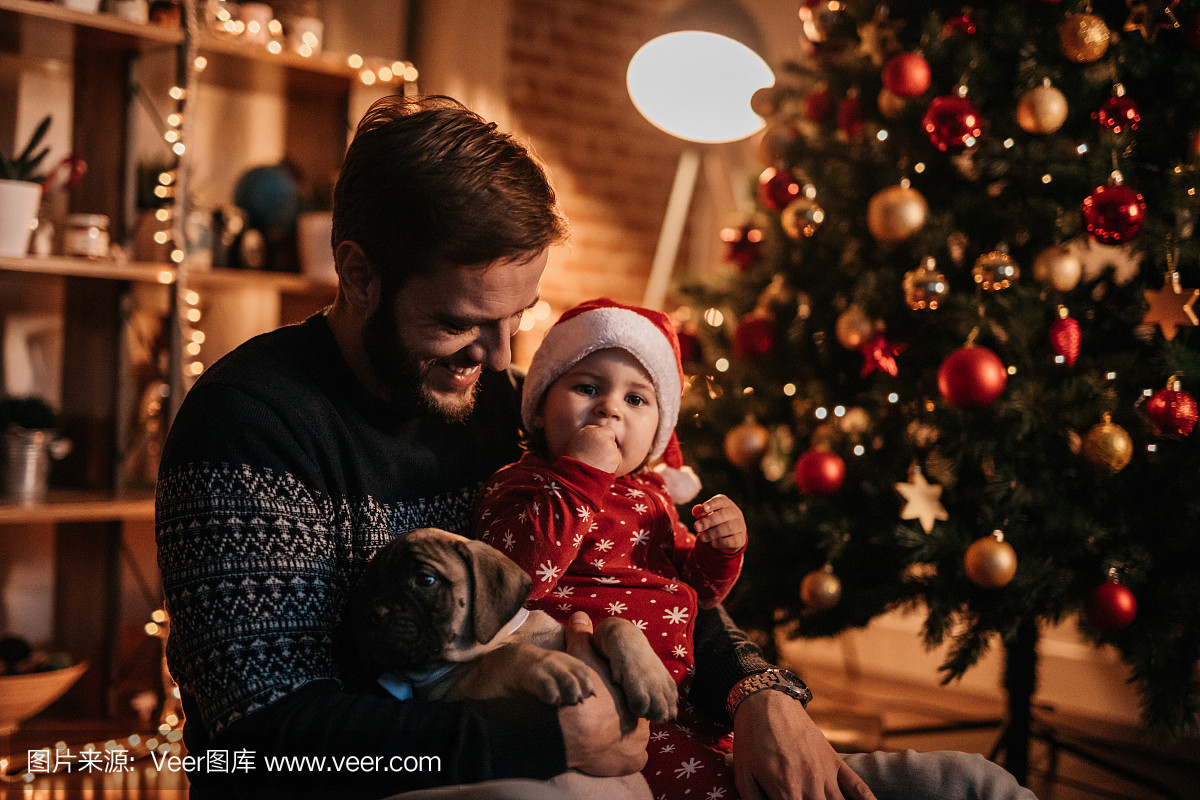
(98, 30)
(80, 505)
(89, 268)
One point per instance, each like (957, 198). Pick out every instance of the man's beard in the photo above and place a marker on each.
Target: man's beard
(405, 376)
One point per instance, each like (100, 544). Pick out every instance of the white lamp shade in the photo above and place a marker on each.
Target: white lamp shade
(697, 85)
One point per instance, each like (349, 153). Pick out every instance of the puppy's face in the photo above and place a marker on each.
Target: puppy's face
(430, 597)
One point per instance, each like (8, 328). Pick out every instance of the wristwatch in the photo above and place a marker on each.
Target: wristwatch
(781, 680)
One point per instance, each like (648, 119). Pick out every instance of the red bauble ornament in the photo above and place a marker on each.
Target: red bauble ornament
(820, 472)
(754, 338)
(1114, 214)
(742, 245)
(850, 116)
(818, 105)
(1065, 337)
(690, 349)
(1118, 114)
(907, 75)
(971, 377)
(963, 25)
(1171, 411)
(952, 123)
(1110, 607)
(777, 188)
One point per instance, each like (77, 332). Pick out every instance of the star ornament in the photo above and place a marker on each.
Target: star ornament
(922, 500)
(1171, 308)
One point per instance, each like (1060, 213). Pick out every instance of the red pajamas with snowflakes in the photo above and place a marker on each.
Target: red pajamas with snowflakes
(614, 546)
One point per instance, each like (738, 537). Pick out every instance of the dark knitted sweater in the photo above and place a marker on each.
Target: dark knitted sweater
(280, 478)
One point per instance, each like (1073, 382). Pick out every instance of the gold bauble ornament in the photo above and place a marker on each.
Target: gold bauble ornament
(746, 443)
(925, 287)
(1042, 109)
(896, 213)
(854, 327)
(801, 217)
(995, 271)
(1059, 267)
(821, 590)
(890, 104)
(1084, 37)
(990, 561)
(1107, 446)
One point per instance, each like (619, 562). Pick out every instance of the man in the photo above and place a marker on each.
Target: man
(305, 450)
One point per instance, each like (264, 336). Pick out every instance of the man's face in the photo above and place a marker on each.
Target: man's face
(432, 340)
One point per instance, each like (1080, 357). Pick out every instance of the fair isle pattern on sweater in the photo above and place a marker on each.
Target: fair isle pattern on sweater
(245, 559)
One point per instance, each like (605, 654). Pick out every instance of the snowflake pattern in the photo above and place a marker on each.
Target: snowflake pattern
(584, 513)
(604, 545)
(676, 616)
(634, 493)
(716, 793)
(508, 540)
(688, 768)
(658, 736)
(548, 572)
(608, 579)
(671, 587)
(640, 624)
(564, 607)
(641, 537)
(563, 590)
(598, 563)
(670, 748)
(616, 608)
(680, 651)
(641, 508)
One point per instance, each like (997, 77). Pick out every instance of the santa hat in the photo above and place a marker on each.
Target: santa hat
(647, 335)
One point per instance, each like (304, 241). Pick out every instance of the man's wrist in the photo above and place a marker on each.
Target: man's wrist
(780, 680)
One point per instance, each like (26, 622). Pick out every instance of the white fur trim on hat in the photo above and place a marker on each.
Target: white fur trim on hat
(571, 340)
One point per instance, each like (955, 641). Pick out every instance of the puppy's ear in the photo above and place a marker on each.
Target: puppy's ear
(498, 587)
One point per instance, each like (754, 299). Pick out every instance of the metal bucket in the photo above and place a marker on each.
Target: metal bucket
(27, 462)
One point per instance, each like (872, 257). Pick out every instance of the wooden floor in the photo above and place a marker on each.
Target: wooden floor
(1073, 758)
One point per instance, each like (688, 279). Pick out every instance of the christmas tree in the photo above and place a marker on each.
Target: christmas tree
(955, 365)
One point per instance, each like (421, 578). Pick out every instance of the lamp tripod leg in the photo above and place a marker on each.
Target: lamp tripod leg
(672, 229)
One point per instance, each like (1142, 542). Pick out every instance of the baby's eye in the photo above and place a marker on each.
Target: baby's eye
(635, 400)
(586, 388)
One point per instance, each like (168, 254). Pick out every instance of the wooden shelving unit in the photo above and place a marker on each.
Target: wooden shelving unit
(80, 505)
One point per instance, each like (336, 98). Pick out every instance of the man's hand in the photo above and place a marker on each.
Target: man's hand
(597, 741)
(720, 523)
(780, 753)
(596, 446)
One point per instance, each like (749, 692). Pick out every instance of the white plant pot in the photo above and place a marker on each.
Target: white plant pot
(18, 211)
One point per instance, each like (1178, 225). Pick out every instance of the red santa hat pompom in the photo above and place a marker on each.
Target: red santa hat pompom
(647, 335)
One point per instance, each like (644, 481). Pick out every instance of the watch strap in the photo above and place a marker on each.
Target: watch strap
(782, 680)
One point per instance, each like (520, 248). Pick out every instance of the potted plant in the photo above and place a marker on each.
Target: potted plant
(20, 192)
(29, 428)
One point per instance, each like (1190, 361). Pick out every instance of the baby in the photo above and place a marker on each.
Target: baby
(597, 529)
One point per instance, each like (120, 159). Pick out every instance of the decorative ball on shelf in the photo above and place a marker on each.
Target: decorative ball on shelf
(1083, 37)
(853, 327)
(1107, 446)
(995, 271)
(925, 287)
(821, 590)
(820, 472)
(896, 213)
(1043, 109)
(971, 377)
(1059, 267)
(778, 187)
(890, 105)
(1171, 411)
(952, 122)
(907, 75)
(801, 218)
(1065, 337)
(1110, 607)
(818, 105)
(1114, 213)
(990, 561)
(746, 443)
(754, 338)
(1118, 114)
(850, 115)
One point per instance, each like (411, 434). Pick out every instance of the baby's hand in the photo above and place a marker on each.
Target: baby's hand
(720, 523)
(595, 445)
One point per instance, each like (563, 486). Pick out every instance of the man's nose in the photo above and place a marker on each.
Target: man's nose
(493, 346)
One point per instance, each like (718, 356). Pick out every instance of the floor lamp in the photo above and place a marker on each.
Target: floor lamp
(694, 82)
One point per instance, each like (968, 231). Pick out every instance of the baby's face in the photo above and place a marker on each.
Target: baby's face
(608, 388)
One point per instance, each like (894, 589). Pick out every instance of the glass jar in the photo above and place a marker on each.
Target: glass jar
(86, 235)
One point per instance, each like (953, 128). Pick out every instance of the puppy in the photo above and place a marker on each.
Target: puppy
(431, 603)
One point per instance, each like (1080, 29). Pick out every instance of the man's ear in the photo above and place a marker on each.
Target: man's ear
(498, 587)
(358, 279)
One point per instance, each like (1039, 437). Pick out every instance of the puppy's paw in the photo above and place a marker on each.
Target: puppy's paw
(558, 679)
(650, 691)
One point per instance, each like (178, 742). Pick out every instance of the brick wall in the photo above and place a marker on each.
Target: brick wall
(613, 169)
